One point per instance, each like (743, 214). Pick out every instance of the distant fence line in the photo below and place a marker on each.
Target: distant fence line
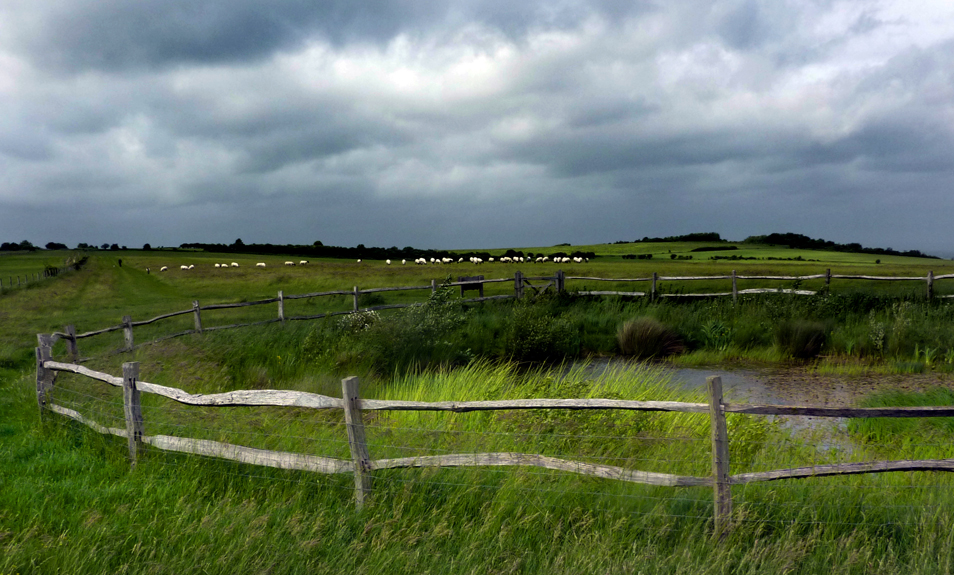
(523, 286)
(26, 279)
(362, 465)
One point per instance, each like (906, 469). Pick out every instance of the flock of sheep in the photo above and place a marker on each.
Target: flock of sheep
(232, 265)
(505, 259)
(423, 261)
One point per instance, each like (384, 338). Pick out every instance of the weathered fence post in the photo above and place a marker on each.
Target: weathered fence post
(281, 307)
(356, 292)
(722, 491)
(44, 377)
(518, 285)
(197, 316)
(433, 287)
(127, 333)
(828, 278)
(356, 440)
(930, 285)
(735, 289)
(652, 290)
(71, 343)
(132, 409)
(560, 281)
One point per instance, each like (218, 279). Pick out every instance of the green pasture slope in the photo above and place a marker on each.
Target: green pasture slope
(69, 502)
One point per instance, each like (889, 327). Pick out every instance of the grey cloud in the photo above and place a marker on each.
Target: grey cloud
(119, 35)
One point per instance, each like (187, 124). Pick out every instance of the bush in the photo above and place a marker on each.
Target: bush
(646, 338)
(801, 338)
(535, 335)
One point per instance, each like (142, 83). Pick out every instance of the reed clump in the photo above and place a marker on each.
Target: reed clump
(648, 338)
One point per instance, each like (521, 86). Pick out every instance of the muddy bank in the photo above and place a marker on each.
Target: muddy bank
(799, 386)
(794, 385)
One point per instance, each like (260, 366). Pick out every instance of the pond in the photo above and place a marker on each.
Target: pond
(793, 386)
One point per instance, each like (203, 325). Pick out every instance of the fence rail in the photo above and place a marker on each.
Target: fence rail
(48, 272)
(362, 464)
(523, 286)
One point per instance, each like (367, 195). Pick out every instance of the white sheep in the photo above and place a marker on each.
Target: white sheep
(403, 262)
(217, 265)
(191, 266)
(234, 265)
(260, 265)
(359, 261)
(302, 262)
(164, 268)
(289, 263)
(183, 267)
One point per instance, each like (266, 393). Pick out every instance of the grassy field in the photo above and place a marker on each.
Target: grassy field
(70, 502)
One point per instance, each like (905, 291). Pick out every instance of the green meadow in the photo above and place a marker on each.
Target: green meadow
(70, 503)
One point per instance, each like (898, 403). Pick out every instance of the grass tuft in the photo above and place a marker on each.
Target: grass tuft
(647, 338)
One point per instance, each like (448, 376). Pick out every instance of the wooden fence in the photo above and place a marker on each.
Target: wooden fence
(654, 280)
(524, 286)
(362, 465)
(48, 272)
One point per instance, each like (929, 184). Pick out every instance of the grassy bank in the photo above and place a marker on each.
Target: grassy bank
(71, 504)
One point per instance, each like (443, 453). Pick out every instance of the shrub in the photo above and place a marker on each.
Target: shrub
(646, 338)
(801, 338)
(535, 335)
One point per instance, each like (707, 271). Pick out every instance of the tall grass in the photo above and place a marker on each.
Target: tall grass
(70, 503)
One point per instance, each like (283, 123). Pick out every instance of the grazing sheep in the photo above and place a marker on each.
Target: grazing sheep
(387, 262)
(234, 265)
(164, 268)
(302, 262)
(217, 265)
(192, 266)
(403, 262)
(183, 267)
(289, 263)
(359, 261)
(260, 265)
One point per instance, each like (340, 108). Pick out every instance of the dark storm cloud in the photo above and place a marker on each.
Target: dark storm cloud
(474, 123)
(121, 35)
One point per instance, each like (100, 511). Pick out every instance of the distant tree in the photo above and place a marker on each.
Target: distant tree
(146, 247)
(238, 243)
(114, 247)
(104, 246)
(25, 245)
(55, 246)
(318, 244)
(124, 248)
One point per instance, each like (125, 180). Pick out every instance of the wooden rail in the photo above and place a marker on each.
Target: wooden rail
(523, 285)
(362, 465)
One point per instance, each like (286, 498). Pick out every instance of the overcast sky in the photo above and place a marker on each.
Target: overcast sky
(476, 123)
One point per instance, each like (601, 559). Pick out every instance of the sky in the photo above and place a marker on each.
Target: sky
(476, 123)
